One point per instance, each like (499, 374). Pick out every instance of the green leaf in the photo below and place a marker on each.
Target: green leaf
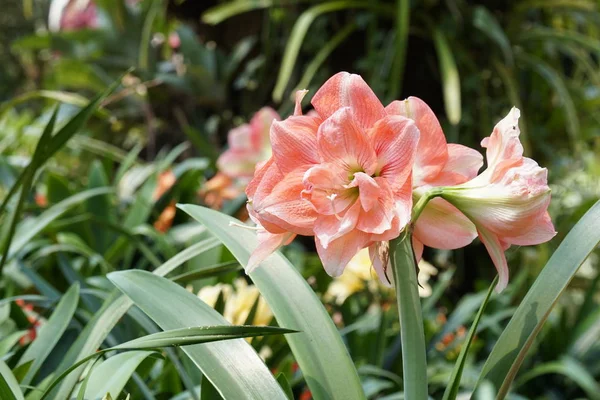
(511, 348)
(321, 56)
(401, 40)
(50, 333)
(113, 309)
(206, 272)
(488, 24)
(112, 374)
(8, 342)
(9, 387)
(299, 32)
(568, 367)
(555, 80)
(208, 391)
(200, 334)
(295, 306)
(285, 385)
(26, 179)
(28, 229)
(220, 13)
(62, 97)
(414, 362)
(454, 383)
(450, 78)
(233, 366)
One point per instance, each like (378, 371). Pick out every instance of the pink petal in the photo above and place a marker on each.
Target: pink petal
(323, 180)
(260, 126)
(238, 163)
(349, 90)
(329, 228)
(463, 164)
(339, 252)
(299, 96)
(395, 140)
(341, 141)
(294, 142)
(417, 248)
(495, 249)
(504, 148)
(431, 152)
(267, 244)
(379, 216)
(284, 205)
(239, 138)
(542, 231)
(443, 226)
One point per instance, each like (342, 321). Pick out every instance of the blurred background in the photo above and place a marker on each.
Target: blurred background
(202, 68)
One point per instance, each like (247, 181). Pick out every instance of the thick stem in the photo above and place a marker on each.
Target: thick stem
(414, 362)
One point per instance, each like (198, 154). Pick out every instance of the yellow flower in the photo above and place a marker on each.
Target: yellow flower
(239, 300)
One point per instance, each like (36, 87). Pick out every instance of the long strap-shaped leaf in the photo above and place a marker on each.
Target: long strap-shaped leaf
(50, 333)
(507, 355)
(319, 350)
(233, 367)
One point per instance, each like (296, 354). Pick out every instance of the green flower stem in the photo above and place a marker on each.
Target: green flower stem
(414, 362)
(422, 202)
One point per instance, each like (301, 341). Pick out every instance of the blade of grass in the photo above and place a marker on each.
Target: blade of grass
(9, 387)
(449, 75)
(300, 30)
(454, 383)
(402, 29)
(50, 333)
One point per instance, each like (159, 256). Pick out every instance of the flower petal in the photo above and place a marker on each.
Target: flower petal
(238, 163)
(379, 216)
(294, 142)
(495, 249)
(341, 141)
(431, 152)
(443, 226)
(321, 182)
(395, 140)
(260, 126)
(329, 228)
(298, 97)
(417, 248)
(504, 148)
(285, 207)
(349, 90)
(543, 231)
(463, 164)
(339, 252)
(267, 244)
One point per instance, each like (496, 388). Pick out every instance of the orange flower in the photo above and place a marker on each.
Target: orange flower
(342, 175)
(165, 219)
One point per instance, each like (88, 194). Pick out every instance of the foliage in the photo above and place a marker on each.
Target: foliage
(96, 255)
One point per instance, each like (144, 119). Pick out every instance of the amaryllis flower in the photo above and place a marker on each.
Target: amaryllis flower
(508, 201)
(342, 174)
(248, 145)
(438, 163)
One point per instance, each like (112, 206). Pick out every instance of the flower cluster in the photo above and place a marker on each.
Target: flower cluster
(348, 172)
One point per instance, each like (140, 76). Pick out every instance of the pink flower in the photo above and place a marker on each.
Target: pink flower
(78, 15)
(508, 201)
(438, 163)
(343, 174)
(248, 145)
